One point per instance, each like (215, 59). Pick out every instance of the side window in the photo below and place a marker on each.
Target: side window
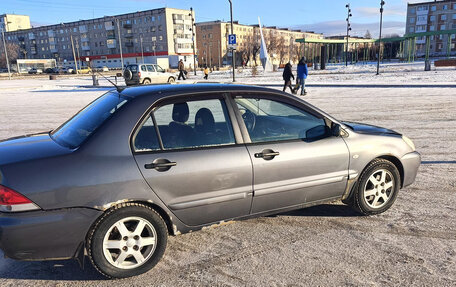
(268, 120)
(146, 138)
(143, 68)
(150, 68)
(194, 124)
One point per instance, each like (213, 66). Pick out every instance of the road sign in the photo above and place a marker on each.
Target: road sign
(232, 39)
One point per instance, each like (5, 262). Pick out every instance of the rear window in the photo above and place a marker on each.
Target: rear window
(77, 129)
(133, 68)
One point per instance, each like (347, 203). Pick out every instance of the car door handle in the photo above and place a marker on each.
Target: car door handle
(267, 154)
(160, 165)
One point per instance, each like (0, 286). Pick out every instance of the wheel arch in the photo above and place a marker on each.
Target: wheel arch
(394, 160)
(147, 78)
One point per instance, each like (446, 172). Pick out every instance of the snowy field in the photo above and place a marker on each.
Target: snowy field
(414, 243)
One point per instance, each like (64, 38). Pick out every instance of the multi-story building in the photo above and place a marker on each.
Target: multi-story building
(13, 22)
(433, 16)
(212, 43)
(162, 36)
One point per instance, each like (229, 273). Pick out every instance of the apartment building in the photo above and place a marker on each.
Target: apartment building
(13, 22)
(433, 16)
(162, 36)
(212, 43)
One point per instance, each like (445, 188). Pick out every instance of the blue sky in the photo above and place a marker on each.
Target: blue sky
(327, 16)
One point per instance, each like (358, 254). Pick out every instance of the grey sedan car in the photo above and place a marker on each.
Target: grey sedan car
(137, 165)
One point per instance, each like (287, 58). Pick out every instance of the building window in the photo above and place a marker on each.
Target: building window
(442, 27)
(412, 10)
(454, 16)
(445, 7)
(433, 8)
(422, 18)
(431, 28)
(432, 18)
(412, 20)
(153, 19)
(411, 30)
(443, 17)
(160, 38)
(160, 27)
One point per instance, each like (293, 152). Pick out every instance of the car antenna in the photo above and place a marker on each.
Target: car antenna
(119, 89)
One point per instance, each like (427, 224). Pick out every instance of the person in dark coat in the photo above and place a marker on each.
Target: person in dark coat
(287, 75)
(181, 69)
(301, 77)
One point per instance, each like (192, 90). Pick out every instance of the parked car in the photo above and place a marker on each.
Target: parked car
(139, 164)
(35, 71)
(84, 70)
(145, 74)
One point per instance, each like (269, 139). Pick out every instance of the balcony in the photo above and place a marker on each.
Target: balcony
(111, 43)
(182, 50)
(31, 36)
(20, 38)
(183, 41)
(127, 25)
(109, 26)
(128, 35)
(86, 39)
(54, 50)
(86, 48)
(177, 21)
(51, 33)
(129, 44)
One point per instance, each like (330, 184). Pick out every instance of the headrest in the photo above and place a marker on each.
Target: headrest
(204, 121)
(180, 112)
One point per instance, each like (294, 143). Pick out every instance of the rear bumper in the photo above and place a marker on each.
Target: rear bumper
(411, 162)
(41, 235)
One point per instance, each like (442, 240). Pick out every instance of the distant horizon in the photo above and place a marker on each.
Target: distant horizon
(292, 14)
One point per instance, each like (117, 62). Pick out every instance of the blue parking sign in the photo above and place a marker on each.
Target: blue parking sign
(232, 39)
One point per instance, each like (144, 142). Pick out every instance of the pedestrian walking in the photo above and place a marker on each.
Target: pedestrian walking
(301, 77)
(287, 75)
(206, 72)
(181, 68)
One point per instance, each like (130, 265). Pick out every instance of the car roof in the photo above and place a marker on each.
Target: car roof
(170, 89)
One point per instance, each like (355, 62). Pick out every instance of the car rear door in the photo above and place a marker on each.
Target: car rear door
(295, 158)
(194, 160)
(152, 74)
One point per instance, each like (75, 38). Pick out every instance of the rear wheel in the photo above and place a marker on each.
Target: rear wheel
(127, 241)
(171, 80)
(377, 187)
(146, 82)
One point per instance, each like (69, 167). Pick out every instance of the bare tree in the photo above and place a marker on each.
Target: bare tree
(253, 46)
(368, 35)
(272, 41)
(297, 52)
(282, 49)
(13, 54)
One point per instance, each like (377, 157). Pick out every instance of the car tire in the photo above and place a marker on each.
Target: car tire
(128, 75)
(117, 228)
(146, 82)
(377, 187)
(171, 80)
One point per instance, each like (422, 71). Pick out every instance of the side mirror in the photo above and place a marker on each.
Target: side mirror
(335, 130)
(317, 133)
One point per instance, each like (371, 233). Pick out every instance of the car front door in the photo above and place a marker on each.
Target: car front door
(295, 158)
(152, 74)
(188, 153)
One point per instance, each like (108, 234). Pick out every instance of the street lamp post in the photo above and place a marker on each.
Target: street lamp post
(233, 54)
(142, 50)
(193, 40)
(6, 51)
(380, 36)
(348, 31)
(72, 47)
(120, 44)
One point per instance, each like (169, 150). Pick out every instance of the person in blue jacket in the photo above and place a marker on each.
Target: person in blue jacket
(301, 77)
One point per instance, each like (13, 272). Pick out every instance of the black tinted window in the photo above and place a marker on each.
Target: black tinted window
(146, 138)
(133, 68)
(268, 120)
(83, 124)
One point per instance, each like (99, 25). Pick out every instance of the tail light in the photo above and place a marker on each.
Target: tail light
(12, 201)
(139, 74)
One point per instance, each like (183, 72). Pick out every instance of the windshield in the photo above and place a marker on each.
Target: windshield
(77, 129)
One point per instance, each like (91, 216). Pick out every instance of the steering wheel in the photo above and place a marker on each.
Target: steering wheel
(249, 120)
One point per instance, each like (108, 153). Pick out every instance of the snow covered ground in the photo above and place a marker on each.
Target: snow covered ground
(414, 243)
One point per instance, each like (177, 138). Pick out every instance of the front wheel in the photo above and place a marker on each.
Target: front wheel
(377, 187)
(146, 82)
(127, 241)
